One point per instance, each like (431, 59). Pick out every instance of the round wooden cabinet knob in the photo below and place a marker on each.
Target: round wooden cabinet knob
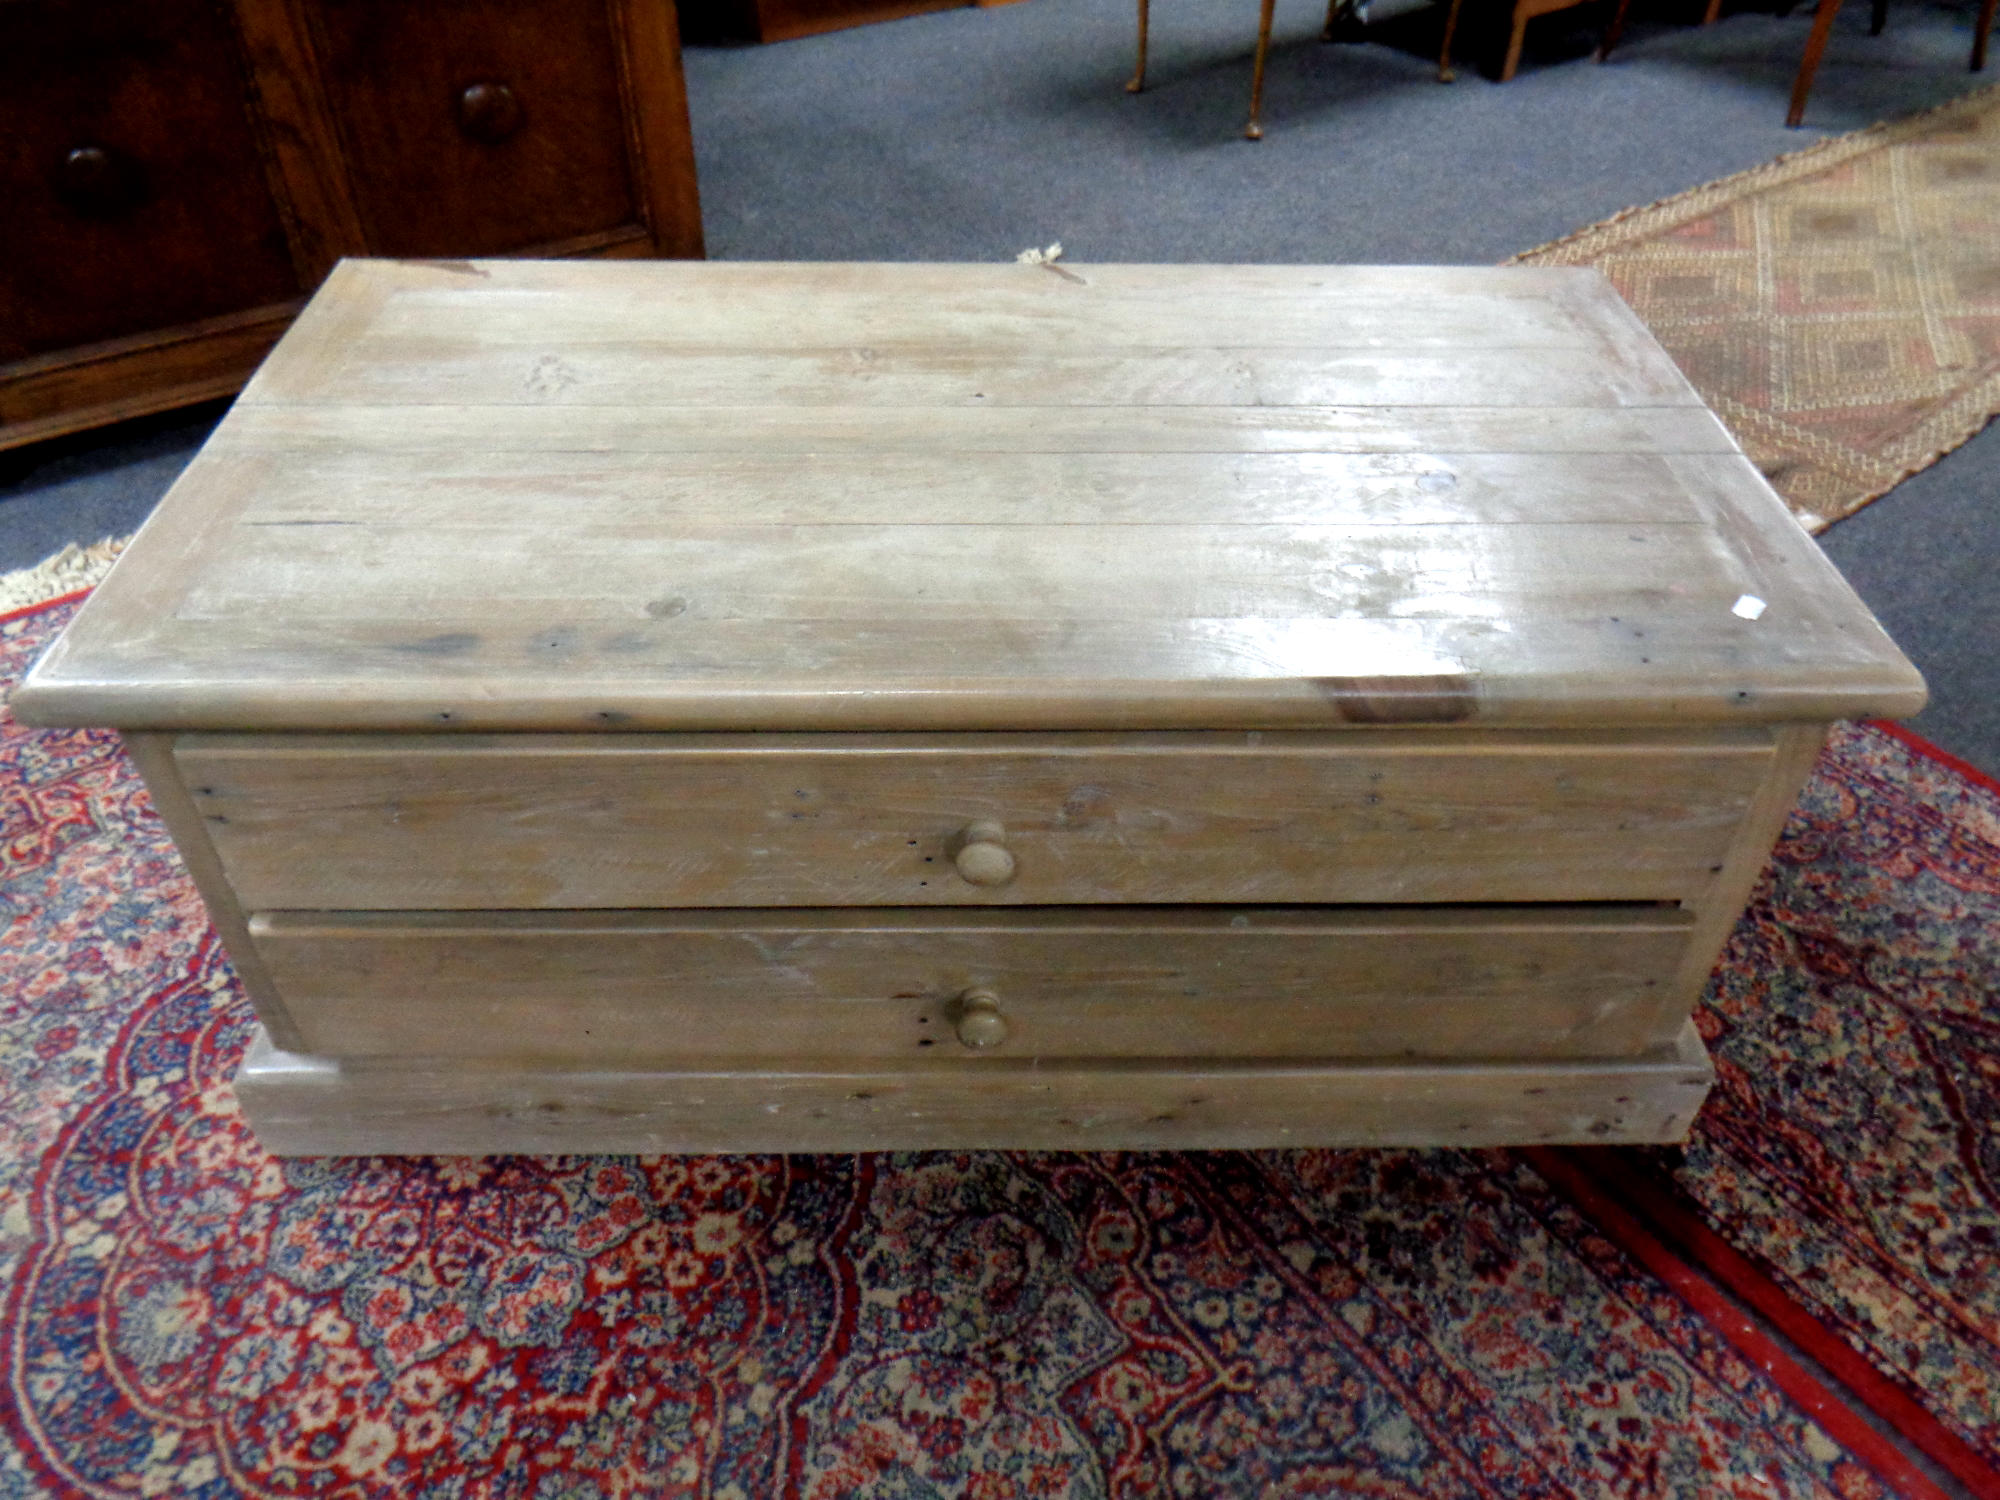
(980, 854)
(980, 1023)
(98, 180)
(489, 112)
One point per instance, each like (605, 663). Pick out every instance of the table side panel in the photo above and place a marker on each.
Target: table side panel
(152, 755)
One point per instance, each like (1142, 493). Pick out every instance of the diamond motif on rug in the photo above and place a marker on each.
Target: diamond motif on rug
(1839, 308)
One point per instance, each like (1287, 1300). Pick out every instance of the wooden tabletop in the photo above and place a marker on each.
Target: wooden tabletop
(661, 495)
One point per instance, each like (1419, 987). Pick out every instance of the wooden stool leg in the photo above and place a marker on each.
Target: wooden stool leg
(1613, 31)
(1332, 16)
(1445, 74)
(1514, 40)
(1255, 129)
(1809, 64)
(1878, 17)
(1714, 13)
(1980, 32)
(1139, 73)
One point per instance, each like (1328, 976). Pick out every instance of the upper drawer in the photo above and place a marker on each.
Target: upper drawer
(478, 126)
(553, 821)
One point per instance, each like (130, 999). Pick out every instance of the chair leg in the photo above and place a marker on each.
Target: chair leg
(1514, 40)
(1342, 24)
(1809, 64)
(1713, 14)
(1138, 80)
(1878, 17)
(1980, 32)
(1445, 73)
(1255, 129)
(1614, 31)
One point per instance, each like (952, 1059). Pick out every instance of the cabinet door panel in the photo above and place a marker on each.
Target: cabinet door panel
(478, 127)
(135, 193)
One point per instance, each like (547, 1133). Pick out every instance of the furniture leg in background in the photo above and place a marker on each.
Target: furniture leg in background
(1255, 129)
(1615, 31)
(1822, 30)
(1524, 12)
(1445, 73)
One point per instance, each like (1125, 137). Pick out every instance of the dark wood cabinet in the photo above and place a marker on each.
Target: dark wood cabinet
(179, 174)
(126, 151)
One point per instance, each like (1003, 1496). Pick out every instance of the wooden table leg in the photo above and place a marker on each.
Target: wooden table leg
(1980, 32)
(1809, 64)
(1255, 129)
(1445, 74)
(1615, 30)
(1515, 38)
(1139, 73)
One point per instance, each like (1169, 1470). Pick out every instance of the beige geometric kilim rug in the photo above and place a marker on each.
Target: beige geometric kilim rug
(1839, 308)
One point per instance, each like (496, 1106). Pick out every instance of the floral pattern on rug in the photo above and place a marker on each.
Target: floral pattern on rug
(1852, 1144)
(186, 1316)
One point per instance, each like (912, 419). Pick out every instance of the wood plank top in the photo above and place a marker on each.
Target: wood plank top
(515, 495)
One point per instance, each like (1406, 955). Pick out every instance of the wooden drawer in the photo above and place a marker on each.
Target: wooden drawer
(476, 127)
(132, 191)
(890, 986)
(556, 822)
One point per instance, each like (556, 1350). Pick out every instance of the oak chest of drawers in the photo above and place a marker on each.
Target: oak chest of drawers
(659, 707)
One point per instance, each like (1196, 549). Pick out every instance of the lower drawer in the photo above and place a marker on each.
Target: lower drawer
(680, 988)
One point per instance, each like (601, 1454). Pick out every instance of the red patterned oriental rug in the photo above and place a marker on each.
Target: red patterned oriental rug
(186, 1316)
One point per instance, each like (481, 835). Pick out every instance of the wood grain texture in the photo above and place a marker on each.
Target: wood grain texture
(658, 137)
(152, 755)
(236, 149)
(1715, 912)
(307, 1106)
(423, 822)
(302, 135)
(536, 496)
(834, 707)
(427, 182)
(679, 989)
(77, 389)
(178, 226)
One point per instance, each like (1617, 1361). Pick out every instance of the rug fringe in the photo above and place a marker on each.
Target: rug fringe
(71, 569)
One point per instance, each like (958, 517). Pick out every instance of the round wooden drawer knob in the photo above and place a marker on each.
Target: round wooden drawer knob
(980, 1023)
(980, 854)
(489, 112)
(98, 180)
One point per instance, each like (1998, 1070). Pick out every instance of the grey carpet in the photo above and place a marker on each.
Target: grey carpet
(972, 134)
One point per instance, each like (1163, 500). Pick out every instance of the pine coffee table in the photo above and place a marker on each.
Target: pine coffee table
(643, 707)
